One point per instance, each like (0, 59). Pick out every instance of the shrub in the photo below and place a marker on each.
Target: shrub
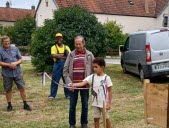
(1, 85)
(23, 29)
(114, 34)
(70, 22)
(20, 33)
(24, 50)
(9, 31)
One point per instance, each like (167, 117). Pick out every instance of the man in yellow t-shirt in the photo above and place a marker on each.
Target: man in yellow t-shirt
(59, 53)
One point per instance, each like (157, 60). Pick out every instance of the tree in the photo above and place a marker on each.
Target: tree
(21, 32)
(9, 31)
(1, 29)
(70, 22)
(114, 34)
(23, 29)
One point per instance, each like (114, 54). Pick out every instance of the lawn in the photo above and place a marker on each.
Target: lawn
(127, 106)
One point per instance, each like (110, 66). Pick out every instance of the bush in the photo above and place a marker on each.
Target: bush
(20, 33)
(9, 31)
(70, 22)
(24, 50)
(114, 34)
(1, 85)
(24, 29)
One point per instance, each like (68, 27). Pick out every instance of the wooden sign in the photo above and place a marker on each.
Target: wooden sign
(156, 107)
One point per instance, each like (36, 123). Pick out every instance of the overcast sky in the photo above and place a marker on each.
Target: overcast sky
(20, 3)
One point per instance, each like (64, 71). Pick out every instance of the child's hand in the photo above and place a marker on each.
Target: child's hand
(108, 106)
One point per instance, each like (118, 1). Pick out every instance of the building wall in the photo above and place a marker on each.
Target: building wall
(4, 23)
(160, 17)
(133, 24)
(129, 23)
(45, 12)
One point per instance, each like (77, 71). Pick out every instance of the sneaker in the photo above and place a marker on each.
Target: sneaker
(9, 108)
(72, 126)
(67, 97)
(51, 98)
(27, 107)
(84, 126)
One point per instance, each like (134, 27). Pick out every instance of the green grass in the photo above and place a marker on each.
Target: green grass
(127, 106)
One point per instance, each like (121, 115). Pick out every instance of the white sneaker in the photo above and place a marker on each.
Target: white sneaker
(51, 98)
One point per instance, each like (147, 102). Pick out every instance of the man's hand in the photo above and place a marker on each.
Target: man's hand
(12, 65)
(59, 56)
(71, 89)
(64, 57)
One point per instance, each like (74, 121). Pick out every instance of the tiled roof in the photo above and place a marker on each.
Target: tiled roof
(118, 7)
(160, 5)
(12, 14)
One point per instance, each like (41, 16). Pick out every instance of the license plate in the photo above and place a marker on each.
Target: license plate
(159, 67)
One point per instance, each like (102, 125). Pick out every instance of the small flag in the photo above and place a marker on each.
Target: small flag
(105, 90)
(43, 78)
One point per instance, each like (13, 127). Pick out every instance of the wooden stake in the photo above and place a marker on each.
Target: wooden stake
(145, 99)
(168, 109)
(44, 106)
(104, 114)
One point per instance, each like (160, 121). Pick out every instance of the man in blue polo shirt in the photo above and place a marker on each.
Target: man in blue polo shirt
(10, 60)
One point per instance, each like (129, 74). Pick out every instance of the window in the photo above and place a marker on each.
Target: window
(160, 41)
(137, 42)
(46, 1)
(126, 45)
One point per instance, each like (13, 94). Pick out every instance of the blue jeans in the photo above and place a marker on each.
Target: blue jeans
(56, 75)
(73, 102)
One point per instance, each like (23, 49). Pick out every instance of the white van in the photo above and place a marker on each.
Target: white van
(146, 53)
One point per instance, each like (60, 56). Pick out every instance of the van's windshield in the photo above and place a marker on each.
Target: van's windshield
(159, 41)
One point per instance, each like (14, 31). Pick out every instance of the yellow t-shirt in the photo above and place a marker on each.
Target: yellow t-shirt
(61, 50)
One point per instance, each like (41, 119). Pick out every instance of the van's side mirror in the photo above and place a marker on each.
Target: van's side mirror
(121, 48)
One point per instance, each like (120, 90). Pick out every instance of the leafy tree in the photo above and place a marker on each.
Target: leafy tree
(114, 34)
(9, 31)
(21, 32)
(70, 22)
(23, 29)
(1, 29)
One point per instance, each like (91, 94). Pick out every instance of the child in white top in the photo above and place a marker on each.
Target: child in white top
(101, 86)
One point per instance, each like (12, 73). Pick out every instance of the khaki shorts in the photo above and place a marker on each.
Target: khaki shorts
(97, 112)
(8, 82)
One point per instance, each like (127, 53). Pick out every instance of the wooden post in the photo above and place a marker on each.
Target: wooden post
(104, 114)
(168, 109)
(43, 109)
(145, 99)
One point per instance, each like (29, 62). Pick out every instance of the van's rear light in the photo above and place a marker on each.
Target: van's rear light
(163, 30)
(148, 53)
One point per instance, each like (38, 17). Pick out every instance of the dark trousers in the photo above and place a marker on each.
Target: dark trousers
(73, 102)
(57, 74)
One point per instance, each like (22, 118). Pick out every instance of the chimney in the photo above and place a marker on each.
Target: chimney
(33, 7)
(7, 4)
